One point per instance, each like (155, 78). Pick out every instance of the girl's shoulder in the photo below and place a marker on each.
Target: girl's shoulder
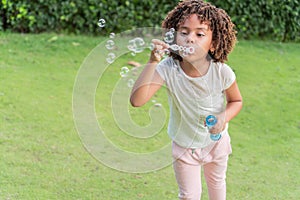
(221, 66)
(223, 69)
(169, 62)
(225, 74)
(167, 68)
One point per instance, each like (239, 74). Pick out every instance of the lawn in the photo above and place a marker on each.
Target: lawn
(43, 155)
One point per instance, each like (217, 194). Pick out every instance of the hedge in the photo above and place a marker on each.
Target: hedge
(79, 16)
(275, 19)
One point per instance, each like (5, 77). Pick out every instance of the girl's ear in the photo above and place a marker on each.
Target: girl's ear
(212, 48)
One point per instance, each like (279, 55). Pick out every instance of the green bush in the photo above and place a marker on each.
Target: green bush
(82, 16)
(274, 19)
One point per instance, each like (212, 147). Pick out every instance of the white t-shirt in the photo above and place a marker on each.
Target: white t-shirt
(192, 99)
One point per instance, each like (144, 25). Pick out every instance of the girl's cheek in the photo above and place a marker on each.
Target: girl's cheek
(179, 40)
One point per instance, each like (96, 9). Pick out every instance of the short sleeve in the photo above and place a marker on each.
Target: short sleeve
(228, 76)
(163, 68)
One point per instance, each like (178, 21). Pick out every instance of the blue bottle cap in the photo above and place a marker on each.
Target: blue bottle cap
(215, 137)
(211, 120)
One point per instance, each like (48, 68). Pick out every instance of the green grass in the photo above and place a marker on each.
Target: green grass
(42, 156)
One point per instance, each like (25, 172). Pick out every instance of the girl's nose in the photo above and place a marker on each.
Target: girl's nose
(190, 38)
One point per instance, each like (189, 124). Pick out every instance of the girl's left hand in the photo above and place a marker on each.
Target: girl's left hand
(220, 125)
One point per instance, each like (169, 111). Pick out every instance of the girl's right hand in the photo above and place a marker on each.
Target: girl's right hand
(159, 50)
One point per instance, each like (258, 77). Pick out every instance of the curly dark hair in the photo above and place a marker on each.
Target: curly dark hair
(223, 30)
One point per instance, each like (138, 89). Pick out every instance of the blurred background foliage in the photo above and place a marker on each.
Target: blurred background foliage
(265, 19)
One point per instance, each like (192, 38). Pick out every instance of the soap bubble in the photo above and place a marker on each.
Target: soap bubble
(157, 105)
(184, 50)
(169, 37)
(124, 71)
(191, 50)
(136, 45)
(181, 48)
(185, 53)
(110, 58)
(112, 35)
(131, 45)
(151, 46)
(167, 52)
(174, 47)
(101, 23)
(140, 45)
(130, 83)
(110, 44)
(172, 30)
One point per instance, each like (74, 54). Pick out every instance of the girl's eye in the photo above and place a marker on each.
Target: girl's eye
(183, 33)
(200, 34)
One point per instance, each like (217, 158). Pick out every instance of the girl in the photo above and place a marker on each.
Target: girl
(197, 82)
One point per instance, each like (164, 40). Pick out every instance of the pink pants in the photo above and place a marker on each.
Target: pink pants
(187, 167)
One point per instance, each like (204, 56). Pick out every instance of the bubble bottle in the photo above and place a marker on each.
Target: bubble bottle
(211, 120)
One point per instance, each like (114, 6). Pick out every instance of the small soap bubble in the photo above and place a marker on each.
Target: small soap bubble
(140, 45)
(174, 47)
(169, 37)
(110, 44)
(124, 71)
(151, 46)
(131, 45)
(130, 83)
(112, 35)
(167, 52)
(136, 45)
(110, 58)
(180, 48)
(101, 23)
(191, 50)
(172, 30)
(184, 54)
(158, 105)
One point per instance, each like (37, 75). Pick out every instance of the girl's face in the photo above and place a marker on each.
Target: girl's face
(197, 35)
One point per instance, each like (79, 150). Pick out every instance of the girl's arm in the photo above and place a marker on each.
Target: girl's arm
(149, 80)
(234, 102)
(233, 107)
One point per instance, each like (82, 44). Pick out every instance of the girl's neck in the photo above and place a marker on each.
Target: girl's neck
(196, 69)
